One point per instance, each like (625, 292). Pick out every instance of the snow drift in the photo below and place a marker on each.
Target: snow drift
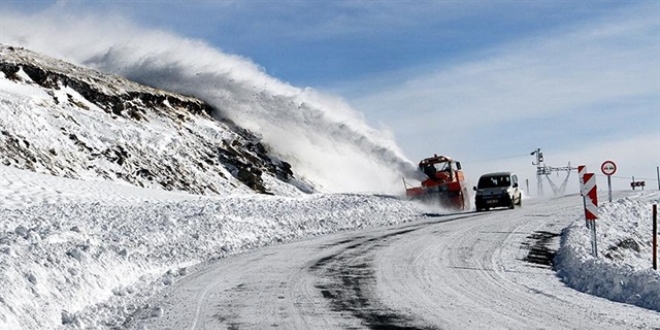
(622, 272)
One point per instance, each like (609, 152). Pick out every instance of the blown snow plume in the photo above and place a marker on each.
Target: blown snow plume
(328, 142)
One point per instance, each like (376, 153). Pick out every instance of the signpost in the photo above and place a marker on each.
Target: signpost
(581, 170)
(591, 208)
(608, 168)
(655, 236)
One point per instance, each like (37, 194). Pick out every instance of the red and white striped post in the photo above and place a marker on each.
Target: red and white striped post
(591, 208)
(581, 170)
(591, 196)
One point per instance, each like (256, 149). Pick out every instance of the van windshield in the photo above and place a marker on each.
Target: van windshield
(494, 181)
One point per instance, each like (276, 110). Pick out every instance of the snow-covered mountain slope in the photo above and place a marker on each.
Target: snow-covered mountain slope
(70, 121)
(325, 140)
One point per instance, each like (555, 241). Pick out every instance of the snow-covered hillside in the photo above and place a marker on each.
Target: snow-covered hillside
(324, 140)
(70, 121)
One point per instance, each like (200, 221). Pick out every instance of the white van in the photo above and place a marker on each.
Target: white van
(497, 190)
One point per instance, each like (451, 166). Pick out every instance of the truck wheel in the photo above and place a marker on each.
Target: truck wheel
(461, 201)
(465, 199)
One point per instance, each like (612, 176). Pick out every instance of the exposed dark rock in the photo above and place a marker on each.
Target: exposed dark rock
(626, 243)
(10, 72)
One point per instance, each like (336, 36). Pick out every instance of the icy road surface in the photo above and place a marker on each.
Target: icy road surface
(462, 271)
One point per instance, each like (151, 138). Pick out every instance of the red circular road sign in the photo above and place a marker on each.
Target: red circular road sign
(608, 167)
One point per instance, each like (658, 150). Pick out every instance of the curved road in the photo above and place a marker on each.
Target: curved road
(464, 271)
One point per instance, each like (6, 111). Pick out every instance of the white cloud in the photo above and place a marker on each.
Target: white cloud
(596, 80)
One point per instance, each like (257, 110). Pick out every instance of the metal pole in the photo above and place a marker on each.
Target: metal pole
(581, 170)
(633, 183)
(655, 236)
(657, 170)
(609, 187)
(584, 204)
(594, 244)
(527, 183)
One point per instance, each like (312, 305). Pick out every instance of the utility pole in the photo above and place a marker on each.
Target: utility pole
(527, 183)
(543, 170)
(539, 166)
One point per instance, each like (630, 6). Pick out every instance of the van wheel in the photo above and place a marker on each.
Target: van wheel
(513, 204)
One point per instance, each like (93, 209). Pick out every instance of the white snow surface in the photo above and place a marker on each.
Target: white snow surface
(623, 270)
(78, 254)
(85, 254)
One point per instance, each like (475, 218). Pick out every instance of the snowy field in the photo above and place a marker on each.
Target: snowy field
(77, 254)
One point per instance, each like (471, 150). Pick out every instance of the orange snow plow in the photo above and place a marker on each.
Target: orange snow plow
(444, 184)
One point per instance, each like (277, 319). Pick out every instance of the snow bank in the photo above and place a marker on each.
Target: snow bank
(623, 270)
(87, 254)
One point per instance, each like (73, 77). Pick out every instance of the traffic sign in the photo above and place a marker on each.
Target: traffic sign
(608, 168)
(591, 207)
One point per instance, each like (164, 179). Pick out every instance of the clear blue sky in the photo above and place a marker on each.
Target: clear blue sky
(483, 81)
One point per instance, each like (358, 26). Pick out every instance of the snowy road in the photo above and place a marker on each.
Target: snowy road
(464, 271)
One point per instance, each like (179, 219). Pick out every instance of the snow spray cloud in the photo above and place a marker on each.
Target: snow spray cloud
(325, 140)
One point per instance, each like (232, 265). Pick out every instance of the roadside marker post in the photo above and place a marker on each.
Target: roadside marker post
(655, 236)
(591, 208)
(581, 170)
(608, 168)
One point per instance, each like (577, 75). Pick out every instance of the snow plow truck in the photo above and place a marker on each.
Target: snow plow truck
(444, 184)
